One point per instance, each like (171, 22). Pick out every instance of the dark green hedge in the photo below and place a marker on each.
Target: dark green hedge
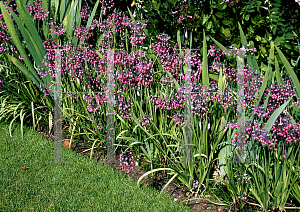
(262, 22)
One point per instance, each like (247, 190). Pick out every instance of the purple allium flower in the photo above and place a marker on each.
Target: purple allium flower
(82, 33)
(36, 9)
(126, 159)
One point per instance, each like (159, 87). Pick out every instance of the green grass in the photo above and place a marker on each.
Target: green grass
(82, 185)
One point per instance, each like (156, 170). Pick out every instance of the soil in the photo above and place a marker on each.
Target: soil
(175, 191)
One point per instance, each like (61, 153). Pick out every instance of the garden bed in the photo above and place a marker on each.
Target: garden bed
(176, 191)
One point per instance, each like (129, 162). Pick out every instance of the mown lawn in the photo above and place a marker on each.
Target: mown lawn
(82, 185)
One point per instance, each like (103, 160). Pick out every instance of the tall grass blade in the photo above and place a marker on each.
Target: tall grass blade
(214, 77)
(62, 12)
(31, 27)
(262, 90)
(32, 111)
(168, 183)
(271, 55)
(30, 74)
(56, 6)
(291, 72)
(15, 38)
(177, 86)
(205, 79)
(296, 192)
(15, 117)
(220, 81)
(78, 15)
(66, 14)
(45, 25)
(92, 15)
(250, 58)
(52, 6)
(149, 172)
(179, 42)
(218, 44)
(278, 75)
(50, 122)
(34, 37)
(275, 115)
(70, 19)
(131, 16)
(22, 122)
(28, 39)
(191, 40)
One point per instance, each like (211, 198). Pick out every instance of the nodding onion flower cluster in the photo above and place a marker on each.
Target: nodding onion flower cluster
(282, 131)
(168, 81)
(123, 106)
(145, 74)
(4, 36)
(145, 119)
(181, 119)
(278, 95)
(92, 107)
(215, 51)
(3, 47)
(127, 161)
(119, 22)
(36, 9)
(244, 180)
(55, 27)
(138, 36)
(174, 102)
(107, 4)
(82, 33)
(11, 4)
(85, 13)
